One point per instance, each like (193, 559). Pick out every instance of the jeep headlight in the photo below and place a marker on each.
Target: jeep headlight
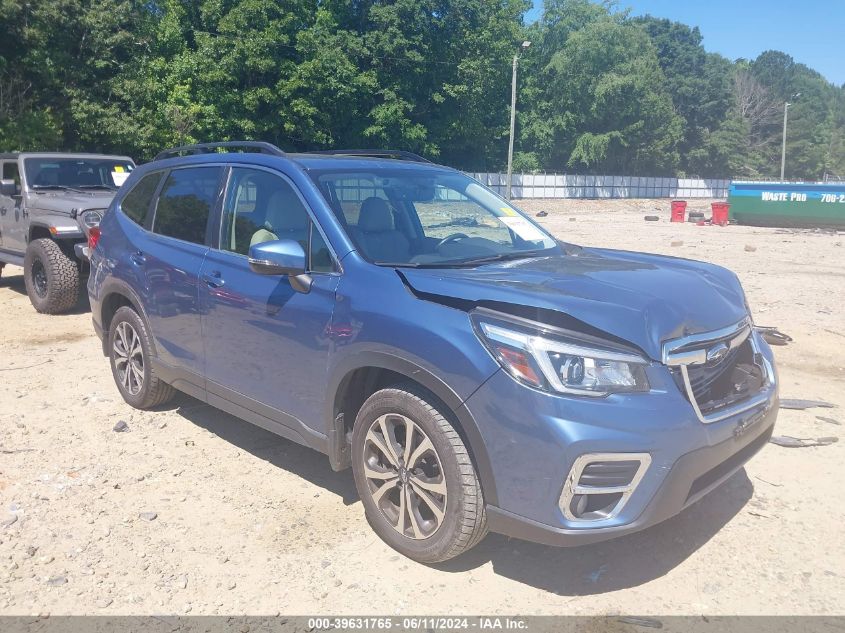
(90, 219)
(560, 361)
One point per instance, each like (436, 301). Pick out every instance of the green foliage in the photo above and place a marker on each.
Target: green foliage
(601, 99)
(526, 162)
(700, 87)
(599, 91)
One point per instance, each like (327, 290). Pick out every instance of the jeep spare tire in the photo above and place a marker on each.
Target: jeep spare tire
(51, 276)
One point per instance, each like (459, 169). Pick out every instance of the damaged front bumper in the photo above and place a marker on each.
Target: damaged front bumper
(542, 445)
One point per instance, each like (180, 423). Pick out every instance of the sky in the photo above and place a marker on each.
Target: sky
(811, 31)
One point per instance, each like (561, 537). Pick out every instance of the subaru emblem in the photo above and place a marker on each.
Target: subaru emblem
(717, 352)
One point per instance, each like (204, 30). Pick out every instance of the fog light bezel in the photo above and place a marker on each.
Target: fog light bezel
(571, 486)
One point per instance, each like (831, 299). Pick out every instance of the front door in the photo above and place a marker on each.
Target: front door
(266, 345)
(10, 209)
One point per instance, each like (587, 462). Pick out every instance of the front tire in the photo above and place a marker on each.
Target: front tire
(51, 277)
(130, 353)
(415, 476)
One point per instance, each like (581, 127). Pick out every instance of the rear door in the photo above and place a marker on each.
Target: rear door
(267, 344)
(171, 255)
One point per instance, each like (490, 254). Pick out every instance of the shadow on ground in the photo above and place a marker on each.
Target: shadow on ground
(281, 453)
(591, 569)
(625, 562)
(16, 283)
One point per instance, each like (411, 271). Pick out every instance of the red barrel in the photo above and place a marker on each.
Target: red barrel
(679, 210)
(720, 213)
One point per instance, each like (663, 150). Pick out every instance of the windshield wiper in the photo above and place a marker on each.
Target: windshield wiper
(498, 257)
(107, 187)
(466, 263)
(55, 188)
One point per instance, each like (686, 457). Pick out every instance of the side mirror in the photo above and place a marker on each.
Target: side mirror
(281, 257)
(8, 188)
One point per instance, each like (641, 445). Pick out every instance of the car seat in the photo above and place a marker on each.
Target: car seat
(377, 235)
(285, 219)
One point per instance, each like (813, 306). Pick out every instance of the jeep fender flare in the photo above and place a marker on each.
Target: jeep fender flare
(467, 426)
(67, 230)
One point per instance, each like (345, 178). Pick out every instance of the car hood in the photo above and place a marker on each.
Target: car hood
(643, 299)
(65, 202)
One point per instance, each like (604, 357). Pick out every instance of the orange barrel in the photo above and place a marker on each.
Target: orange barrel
(720, 213)
(679, 210)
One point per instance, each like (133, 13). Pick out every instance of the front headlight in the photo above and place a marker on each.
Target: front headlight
(90, 219)
(556, 360)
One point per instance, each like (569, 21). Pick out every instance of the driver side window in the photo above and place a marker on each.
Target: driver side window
(262, 207)
(10, 172)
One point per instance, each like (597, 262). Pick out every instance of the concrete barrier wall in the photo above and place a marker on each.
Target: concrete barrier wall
(575, 186)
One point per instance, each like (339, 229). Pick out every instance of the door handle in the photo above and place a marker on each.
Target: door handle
(3, 210)
(138, 258)
(213, 279)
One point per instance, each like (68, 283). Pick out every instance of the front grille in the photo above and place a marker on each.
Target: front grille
(702, 377)
(721, 373)
(731, 380)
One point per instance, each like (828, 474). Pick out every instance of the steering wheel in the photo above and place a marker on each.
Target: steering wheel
(451, 238)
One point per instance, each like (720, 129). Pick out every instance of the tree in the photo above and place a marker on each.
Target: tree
(599, 91)
(601, 102)
(699, 83)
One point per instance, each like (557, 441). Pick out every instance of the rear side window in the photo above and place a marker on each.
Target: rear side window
(136, 203)
(185, 203)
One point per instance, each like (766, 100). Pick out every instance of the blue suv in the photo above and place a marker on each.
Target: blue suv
(476, 373)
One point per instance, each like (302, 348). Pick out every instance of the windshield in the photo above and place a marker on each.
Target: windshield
(76, 173)
(428, 218)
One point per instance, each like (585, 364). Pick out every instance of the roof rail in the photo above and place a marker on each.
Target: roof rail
(397, 154)
(207, 148)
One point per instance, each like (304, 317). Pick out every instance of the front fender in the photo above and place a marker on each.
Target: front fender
(468, 427)
(379, 323)
(59, 227)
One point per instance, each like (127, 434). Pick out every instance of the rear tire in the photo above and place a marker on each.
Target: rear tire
(130, 352)
(51, 277)
(424, 498)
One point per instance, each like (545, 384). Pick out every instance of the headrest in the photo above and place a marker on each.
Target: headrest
(285, 212)
(375, 216)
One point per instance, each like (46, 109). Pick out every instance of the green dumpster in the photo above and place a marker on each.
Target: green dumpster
(803, 204)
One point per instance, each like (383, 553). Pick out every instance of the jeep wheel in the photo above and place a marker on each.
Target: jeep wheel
(130, 351)
(51, 277)
(415, 477)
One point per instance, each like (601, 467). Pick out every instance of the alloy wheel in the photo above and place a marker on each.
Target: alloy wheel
(128, 358)
(405, 476)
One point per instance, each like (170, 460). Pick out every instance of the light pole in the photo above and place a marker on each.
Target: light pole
(522, 47)
(786, 105)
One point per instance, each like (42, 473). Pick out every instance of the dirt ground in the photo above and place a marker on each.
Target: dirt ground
(246, 522)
